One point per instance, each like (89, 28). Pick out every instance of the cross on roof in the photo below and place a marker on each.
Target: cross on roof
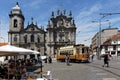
(32, 19)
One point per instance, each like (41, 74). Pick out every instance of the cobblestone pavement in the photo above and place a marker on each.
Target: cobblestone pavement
(83, 71)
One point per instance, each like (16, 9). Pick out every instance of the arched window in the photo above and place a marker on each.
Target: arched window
(15, 22)
(25, 38)
(15, 38)
(38, 39)
(38, 50)
(32, 38)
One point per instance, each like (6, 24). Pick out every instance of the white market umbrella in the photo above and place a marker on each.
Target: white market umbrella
(9, 50)
(43, 57)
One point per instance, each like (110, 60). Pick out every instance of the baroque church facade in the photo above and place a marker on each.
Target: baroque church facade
(60, 31)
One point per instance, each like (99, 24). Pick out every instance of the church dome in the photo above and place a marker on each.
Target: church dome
(16, 9)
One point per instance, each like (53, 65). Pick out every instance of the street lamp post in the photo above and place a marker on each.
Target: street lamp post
(99, 38)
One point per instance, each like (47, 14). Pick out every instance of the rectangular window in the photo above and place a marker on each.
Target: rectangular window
(83, 50)
(114, 47)
(106, 48)
(77, 51)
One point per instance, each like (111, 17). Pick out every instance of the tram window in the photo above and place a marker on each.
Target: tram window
(86, 50)
(77, 51)
(62, 53)
(83, 50)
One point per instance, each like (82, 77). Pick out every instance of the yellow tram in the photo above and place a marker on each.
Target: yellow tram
(77, 53)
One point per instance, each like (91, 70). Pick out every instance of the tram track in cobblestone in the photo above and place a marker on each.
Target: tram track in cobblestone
(99, 67)
(115, 68)
(109, 66)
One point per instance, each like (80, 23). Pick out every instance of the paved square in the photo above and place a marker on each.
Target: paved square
(109, 79)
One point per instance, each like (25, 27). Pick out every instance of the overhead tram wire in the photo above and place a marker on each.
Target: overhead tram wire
(107, 14)
(99, 40)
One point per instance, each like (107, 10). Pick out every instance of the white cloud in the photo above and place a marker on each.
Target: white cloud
(115, 19)
(4, 27)
(85, 28)
(85, 38)
(86, 31)
(88, 12)
(84, 18)
(35, 4)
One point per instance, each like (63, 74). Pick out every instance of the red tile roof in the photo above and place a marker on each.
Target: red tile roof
(108, 41)
(2, 44)
(117, 36)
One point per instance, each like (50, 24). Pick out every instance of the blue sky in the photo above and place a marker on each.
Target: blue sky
(84, 12)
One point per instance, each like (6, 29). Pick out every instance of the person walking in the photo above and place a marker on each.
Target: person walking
(92, 57)
(46, 59)
(68, 59)
(50, 59)
(106, 60)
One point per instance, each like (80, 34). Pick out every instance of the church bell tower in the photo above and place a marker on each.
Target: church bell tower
(16, 24)
(16, 19)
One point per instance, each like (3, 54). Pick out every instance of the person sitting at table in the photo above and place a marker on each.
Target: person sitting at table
(2, 72)
(23, 72)
(11, 72)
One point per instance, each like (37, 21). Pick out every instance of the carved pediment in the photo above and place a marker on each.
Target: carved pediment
(34, 28)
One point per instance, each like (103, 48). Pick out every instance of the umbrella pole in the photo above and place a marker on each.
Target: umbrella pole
(8, 69)
(41, 68)
(15, 67)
